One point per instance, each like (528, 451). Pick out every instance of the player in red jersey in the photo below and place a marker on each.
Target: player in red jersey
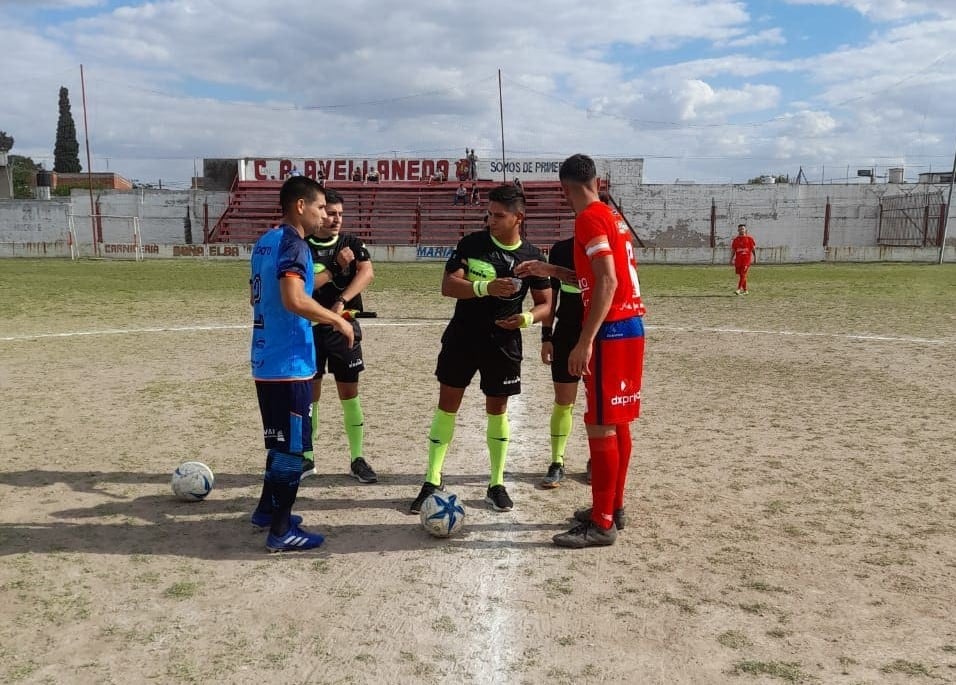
(742, 255)
(609, 355)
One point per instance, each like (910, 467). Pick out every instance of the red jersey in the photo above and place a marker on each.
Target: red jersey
(598, 221)
(743, 247)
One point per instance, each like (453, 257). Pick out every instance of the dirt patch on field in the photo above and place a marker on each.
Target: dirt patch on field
(791, 517)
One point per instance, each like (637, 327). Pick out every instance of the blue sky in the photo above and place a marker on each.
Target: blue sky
(712, 91)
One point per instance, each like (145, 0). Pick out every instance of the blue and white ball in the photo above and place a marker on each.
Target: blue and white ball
(192, 481)
(442, 514)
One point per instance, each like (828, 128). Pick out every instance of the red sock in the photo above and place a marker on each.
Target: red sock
(604, 467)
(624, 460)
(743, 281)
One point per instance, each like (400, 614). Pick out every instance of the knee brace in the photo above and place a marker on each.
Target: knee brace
(283, 468)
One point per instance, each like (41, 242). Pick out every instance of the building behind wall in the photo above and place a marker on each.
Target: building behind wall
(6, 178)
(100, 181)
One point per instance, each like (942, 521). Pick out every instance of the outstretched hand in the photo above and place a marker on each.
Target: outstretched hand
(503, 287)
(533, 267)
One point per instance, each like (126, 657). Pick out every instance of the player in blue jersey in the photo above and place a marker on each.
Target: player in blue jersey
(283, 356)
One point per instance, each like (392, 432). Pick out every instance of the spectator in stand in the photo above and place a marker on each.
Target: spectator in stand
(518, 185)
(372, 176)
(295, 171)
(475, 194)
(357, 175)
(463, 168)
(461, 195)
(437, 177)
(472, 165)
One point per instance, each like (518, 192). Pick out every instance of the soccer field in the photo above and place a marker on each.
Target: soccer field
(791, 502)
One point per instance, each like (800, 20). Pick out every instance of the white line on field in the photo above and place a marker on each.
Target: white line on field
(442, 322)
(183, 329)
(800, 334)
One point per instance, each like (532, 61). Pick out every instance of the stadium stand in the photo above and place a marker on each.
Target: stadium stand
(398, 213)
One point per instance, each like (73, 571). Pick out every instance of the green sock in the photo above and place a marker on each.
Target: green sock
(439, 437)
(354, 426)
(498, 435)
(310, 455)
(561, 420)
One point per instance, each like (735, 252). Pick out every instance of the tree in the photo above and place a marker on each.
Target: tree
(6, 142)
(24, 170)
(66, 153)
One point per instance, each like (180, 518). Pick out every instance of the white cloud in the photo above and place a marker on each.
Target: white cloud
(772, 36)
(885, 10)
(172, 81)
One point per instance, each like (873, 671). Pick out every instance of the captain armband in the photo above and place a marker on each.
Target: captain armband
(480, 288)
(527, 318)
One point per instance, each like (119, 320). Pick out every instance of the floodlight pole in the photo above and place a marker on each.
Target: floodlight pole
(949, 200)
(501, 113)
(89, 169)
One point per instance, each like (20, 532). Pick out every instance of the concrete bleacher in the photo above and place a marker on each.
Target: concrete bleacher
(399, 212)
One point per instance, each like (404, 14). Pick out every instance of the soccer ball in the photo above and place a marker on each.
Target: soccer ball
(442, 514)
(192, 481)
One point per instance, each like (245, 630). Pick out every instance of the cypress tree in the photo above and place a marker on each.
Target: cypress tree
(66, 153)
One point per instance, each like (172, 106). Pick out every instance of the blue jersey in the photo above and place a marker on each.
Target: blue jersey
(282, 347)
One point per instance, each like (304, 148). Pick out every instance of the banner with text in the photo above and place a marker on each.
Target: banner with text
(399, 169)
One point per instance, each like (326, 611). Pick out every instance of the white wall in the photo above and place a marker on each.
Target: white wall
(777, 215)
(786, 220)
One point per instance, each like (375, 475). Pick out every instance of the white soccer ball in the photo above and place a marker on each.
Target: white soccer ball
(442, 514)
(192, 481)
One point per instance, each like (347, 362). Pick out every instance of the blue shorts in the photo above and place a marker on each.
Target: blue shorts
(286, 408)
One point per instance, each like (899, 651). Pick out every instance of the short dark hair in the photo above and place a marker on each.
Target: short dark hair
(333, 197)
(298, 188)
(509, 196)
(741, 225)
(577, 169)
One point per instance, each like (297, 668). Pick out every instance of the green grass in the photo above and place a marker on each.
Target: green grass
(181, 590)
(54, 296)
(26, 283)
(905, 667)
(788, 672)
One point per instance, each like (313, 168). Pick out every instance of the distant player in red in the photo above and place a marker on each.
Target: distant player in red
(742, 255)
(609, 354)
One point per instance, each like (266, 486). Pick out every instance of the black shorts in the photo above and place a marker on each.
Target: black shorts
(286, 408)
(345, 363)
(563, 341)
(496, 355)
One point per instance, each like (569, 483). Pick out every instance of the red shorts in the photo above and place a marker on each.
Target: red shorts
(612, 385)
(742, 267)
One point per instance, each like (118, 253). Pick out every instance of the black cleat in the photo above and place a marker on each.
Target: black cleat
(362, 471)
(584, 515)
(308, 468)
(498, 498)
(427, 490)
(554, 477)
(586, 535)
